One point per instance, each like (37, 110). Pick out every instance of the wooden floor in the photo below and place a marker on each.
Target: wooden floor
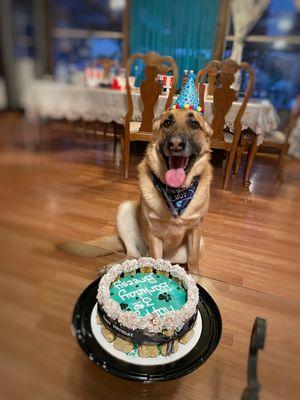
(56, 185)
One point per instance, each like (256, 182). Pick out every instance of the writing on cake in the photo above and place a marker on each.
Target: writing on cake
(148, 293)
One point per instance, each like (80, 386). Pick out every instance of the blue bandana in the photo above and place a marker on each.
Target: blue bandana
(177, 199)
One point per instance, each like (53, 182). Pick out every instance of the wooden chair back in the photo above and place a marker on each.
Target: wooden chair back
(223, 74)
(281, 147)
(107, 63)
(210, 74)
(150, 89)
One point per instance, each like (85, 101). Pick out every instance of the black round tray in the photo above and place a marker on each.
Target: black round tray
(207, 343)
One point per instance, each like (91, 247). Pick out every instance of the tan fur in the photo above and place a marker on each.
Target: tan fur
(147, 227)
(93, 248)
(162, 233)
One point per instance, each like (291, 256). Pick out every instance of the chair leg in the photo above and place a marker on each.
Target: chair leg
(94, 129)
(115, 132)
(84, 125)
(250, 160)
(122, 144)
(105, 128)
(230, 159)
(238, 160)
(282, 164)
(126, 158)
(126, 154)
(228, 169)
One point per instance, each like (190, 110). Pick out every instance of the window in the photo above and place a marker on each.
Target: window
(23, 29)
(83, 31)
(273, 49)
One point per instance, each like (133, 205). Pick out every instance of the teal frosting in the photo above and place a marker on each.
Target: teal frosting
(145, 293)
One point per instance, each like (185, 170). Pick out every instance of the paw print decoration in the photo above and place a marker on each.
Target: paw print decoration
(165, 296)
(124, 307)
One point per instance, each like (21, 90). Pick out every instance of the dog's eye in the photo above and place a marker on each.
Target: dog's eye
(167, 123)
(194, 124)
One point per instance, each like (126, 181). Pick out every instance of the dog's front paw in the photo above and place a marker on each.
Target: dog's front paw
(193, 266)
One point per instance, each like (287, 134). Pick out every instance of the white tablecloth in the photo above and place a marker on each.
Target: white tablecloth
(55, 100)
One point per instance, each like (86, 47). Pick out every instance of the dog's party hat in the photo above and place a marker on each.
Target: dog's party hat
(188, 98)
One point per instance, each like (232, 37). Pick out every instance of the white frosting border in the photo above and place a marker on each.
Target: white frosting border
(174, 320)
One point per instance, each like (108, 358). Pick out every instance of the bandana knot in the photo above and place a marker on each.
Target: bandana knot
(177, 199)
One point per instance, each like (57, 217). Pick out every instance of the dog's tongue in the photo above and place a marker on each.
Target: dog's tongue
(175, 176)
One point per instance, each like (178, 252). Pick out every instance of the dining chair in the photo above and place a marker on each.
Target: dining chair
(212, 73)
(150, 89)
(107, 64)
(223, 98)
(96, 127)
(275, 142)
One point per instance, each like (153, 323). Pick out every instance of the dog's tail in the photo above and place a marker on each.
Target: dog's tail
(93, 248)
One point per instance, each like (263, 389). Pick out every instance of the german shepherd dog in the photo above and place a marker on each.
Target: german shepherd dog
(175, 170)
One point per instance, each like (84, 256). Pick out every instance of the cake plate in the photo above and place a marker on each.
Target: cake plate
(98, 351)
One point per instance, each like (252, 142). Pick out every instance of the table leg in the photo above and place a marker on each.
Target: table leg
(238, 159)
(250, 160)
(115, 129)
(105, 129)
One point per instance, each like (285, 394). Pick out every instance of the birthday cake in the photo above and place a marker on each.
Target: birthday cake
(146, 307)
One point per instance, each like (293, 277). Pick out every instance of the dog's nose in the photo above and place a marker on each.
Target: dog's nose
(176, 143)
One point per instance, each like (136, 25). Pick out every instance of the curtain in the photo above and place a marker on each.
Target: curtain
(184, 30)
(245, 13)
(297, 4)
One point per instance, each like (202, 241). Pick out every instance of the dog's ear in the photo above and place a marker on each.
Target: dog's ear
(156, 125)
(207, 128)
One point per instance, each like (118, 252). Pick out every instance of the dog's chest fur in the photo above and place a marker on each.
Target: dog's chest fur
(163, 225)
(172, 232)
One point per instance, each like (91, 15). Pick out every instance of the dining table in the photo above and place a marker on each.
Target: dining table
(47, 98)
